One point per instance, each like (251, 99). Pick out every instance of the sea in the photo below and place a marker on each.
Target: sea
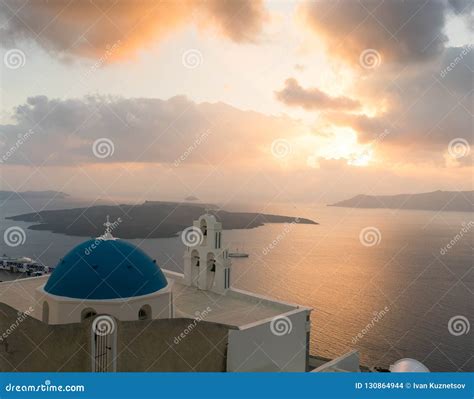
(392, 284)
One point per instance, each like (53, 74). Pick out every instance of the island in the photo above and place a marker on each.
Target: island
(459, 201)
(152, 219)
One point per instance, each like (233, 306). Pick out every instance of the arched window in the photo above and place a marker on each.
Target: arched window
(144, 313)
(211, 270)
(203, 226)
(195, 262)
(87, 313)
(211, 262)
(45, 312)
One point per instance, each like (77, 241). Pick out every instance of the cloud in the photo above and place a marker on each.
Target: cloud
(460, 6)
(239, 20)
(87, 29)
(175, 131)
(171, 148)
(313, 98)
(464, 8)
(399, 31)
(419, 92)
(427, 106)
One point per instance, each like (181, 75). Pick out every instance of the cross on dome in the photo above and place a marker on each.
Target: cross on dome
(108, 230)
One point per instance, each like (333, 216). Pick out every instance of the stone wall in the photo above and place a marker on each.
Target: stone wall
(27, 344)
(171, 345)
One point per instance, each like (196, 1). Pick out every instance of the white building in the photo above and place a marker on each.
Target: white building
(109, 277)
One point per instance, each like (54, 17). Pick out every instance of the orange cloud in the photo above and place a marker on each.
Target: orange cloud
(88, 29)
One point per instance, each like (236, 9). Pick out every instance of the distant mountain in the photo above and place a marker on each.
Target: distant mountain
(12, 195)
(149, 220)
(191, 198)
(461, 201)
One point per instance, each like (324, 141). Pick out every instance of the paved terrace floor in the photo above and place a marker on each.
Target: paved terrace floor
(20, 294)
(234, 310)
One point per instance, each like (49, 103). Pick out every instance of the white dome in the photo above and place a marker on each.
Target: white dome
(408, 366)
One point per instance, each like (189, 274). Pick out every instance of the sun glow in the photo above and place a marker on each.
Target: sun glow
(339, 144)
(362, 159)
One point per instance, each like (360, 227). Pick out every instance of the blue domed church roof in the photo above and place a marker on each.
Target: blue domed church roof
(105, 269)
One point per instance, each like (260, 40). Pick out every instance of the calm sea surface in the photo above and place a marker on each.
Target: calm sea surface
(404, 279)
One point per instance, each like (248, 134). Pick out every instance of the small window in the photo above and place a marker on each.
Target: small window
(144, 313)
(87, 314)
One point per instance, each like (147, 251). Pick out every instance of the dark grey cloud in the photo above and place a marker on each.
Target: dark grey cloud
(460, 6)
(312, 98)
(399, 30)
(141, 130)
(421, 89)
(239, 20)
(427, 106)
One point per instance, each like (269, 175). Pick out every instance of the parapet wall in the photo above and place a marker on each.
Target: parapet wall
(172, 345)
(27, 344)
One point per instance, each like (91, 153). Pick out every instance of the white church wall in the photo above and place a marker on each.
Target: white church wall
(206, 263)
(276, 344)
(63, 310)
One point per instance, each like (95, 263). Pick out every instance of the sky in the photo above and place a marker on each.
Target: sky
(237, 100)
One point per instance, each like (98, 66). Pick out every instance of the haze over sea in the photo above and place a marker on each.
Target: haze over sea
(327, 267)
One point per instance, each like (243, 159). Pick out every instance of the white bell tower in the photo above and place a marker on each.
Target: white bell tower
(206, 263)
